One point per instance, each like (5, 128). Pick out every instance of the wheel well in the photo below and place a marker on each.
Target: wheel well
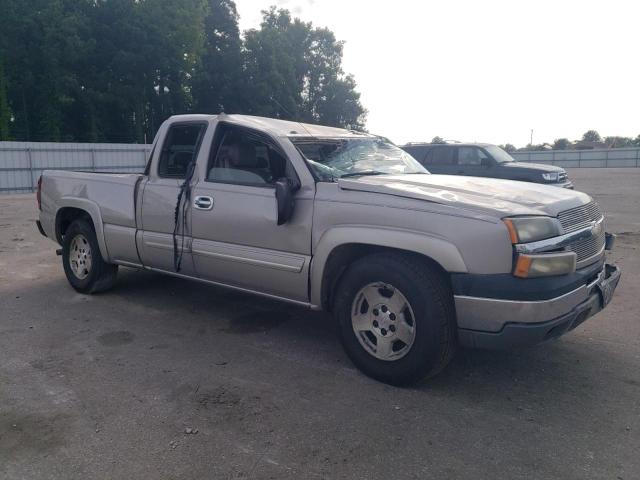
(344, 255)
(66, 216)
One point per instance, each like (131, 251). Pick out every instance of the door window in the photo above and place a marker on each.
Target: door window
(472, 156)
(245, 158)
(440, 156)
(180, 149)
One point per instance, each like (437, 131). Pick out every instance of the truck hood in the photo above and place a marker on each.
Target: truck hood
(538, 167)
(487, 195)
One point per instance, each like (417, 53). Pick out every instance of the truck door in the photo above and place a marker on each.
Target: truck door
(440, 160)
(236, 238)
(473, 162)
(167, 173)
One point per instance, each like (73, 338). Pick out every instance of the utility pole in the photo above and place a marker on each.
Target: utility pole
(531, 138)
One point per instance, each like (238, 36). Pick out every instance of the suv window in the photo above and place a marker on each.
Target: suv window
(440, 156)
(180, 149)
(471, 156)
(245, 158)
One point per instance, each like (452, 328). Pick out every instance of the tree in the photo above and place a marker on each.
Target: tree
(618, 142)
(437, 140)
(509, 148)
(5, 111)
(113, 70)
(295, 71)
(561, 144)
(591, 136)
(217, 82)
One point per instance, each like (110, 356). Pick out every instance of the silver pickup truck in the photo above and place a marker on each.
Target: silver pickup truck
(411, 264)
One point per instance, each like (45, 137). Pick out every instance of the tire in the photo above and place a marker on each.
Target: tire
(422, 336)
(86, 270)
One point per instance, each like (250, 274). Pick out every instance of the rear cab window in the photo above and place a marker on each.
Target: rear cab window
(440, 156)
(180, 148)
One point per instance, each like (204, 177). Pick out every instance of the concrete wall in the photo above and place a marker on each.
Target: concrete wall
(21, 163)
(611, 158)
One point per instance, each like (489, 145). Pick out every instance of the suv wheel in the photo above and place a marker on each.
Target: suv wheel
(83, 264)
(396, 318)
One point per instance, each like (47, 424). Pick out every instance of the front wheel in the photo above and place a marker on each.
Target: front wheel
(83, 264)
(396, 318)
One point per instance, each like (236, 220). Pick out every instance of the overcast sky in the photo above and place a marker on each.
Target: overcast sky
(485, 70)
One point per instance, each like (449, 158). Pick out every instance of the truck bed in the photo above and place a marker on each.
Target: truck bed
(108, 197)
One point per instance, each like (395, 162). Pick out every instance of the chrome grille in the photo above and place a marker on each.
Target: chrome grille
(562, 177)
(580, 217)
(588, 247)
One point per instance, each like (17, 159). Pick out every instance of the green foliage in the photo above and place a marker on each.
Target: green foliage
(297, 69)
(591, 136)
(113, 70)
(509, 148)
(618, 142)
(561, 144)
(218, 81)
(437, 140)
(5, 112)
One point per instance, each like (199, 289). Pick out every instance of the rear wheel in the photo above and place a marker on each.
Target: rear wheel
(396, 318)
(83, 264)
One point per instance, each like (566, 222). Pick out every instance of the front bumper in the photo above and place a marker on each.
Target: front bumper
(496, 323)
(566, 184)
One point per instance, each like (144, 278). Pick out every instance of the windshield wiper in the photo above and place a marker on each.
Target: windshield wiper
(363, 172)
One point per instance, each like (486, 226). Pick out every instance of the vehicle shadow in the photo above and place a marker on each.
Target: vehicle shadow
(566, 363)
(182, 314)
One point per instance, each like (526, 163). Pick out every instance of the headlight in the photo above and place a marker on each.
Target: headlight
(550, 177)
(531, 229)
(545, 264)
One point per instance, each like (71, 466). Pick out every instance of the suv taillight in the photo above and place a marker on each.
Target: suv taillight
(39, 194)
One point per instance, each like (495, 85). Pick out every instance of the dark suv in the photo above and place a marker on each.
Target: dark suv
(483, 160)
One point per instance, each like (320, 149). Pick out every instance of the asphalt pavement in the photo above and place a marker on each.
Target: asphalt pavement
(163, 378)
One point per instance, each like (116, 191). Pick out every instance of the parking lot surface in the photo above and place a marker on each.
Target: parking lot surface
(107, 386)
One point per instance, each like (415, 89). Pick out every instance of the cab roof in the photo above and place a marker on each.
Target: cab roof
(275, 126)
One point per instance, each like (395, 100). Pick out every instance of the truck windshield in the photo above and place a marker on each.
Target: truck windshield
(332, 158)
(499, 155)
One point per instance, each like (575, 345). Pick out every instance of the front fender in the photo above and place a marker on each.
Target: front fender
(438, 249)
(94, 212)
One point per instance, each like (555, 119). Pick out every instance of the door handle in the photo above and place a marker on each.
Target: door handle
(203, 203)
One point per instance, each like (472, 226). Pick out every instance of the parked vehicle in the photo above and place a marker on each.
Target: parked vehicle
(410, 264)
(484, 160)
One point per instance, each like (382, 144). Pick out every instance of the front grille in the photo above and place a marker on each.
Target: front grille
(588, 247)
(562, 177)
(580, 217)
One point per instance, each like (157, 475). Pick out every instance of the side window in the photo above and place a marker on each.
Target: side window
(470, 156)
(440, 156)
(245, 158)
(180, 149)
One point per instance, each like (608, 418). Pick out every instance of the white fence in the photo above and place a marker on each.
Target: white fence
(604, 158)
(21, 163)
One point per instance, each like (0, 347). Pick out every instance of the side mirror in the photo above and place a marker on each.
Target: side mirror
(285, 188)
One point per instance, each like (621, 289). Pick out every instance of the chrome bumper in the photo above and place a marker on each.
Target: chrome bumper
(494, 323)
